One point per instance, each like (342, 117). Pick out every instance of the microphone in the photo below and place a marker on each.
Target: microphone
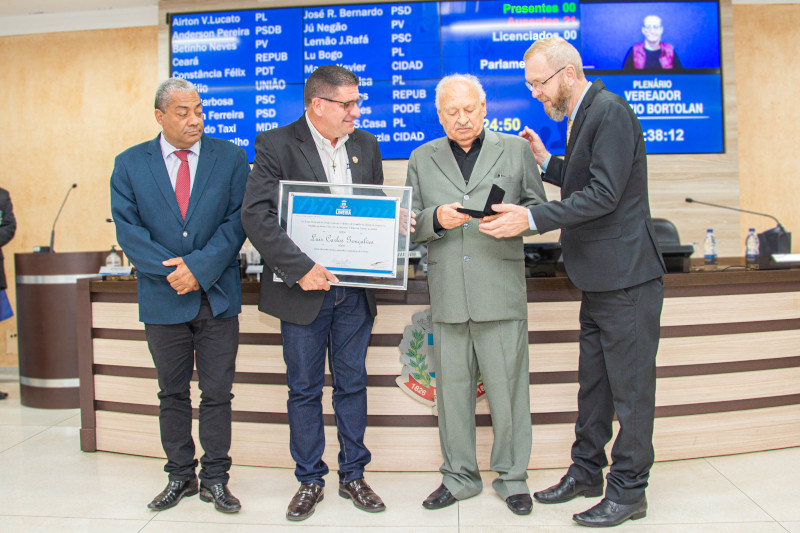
(692, 200)
(774, 241)
(53, 231)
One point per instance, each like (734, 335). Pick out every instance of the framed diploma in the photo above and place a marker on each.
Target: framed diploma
(357, 232)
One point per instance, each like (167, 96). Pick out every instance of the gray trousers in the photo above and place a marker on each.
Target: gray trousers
(500, 351)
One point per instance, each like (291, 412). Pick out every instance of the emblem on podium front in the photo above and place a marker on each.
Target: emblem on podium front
(418, 375)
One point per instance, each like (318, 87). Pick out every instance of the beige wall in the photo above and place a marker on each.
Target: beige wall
(767, 85)
(73, 100)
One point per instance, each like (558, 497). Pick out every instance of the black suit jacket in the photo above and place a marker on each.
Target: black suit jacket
(8, 227)
(607, 235)
(289, 153)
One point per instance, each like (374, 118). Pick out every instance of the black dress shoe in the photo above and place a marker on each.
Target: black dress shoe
(567, 489)
(608, 513)
(439, 499)
(520, 503)
(170, 496)
(362, 495)
(224, 501)
(3, 395)
(304, 501)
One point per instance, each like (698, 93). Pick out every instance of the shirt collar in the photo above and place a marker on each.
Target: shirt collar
(167, 148)
(320, 140)
(578, 105)
(477, 142)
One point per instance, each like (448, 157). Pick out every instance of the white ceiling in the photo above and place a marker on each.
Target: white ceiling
(31, 7)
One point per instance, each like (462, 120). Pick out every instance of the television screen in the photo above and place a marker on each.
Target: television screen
(250, 65)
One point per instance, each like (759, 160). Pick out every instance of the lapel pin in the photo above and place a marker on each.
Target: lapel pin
(355, 159)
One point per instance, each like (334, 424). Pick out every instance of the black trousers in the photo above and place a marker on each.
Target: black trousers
(617, 373)
(210, 343)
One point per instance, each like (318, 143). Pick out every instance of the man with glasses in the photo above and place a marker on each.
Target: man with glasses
(611, 254)
(652, 54)
(322, 146)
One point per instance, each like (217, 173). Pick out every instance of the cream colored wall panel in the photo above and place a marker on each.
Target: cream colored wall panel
(394, 318)
(549, 316)
(254, 321)
(542, 316)
(116, 315)
(140, 391)
(684, 437)
(258, 358)
(726, 348)
(727, 387)
(730, 308)
(417, 449)
(121, 353)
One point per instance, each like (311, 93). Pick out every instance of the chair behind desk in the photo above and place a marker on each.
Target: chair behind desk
(676, 256)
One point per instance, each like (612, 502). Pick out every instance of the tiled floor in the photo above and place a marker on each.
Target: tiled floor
(49, 485)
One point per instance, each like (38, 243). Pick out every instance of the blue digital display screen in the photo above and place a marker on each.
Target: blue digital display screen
(250, 65)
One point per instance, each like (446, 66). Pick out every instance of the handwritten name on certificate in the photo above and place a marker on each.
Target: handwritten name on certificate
(354, 235)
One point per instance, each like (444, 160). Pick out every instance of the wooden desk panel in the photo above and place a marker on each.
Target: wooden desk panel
(728, 374)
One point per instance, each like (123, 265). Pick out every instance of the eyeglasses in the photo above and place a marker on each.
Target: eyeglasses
(348, 106)
(652, 27)
(539, 85)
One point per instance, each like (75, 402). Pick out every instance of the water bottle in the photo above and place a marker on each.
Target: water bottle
(710, 248)
(113, 259)
(751, 250)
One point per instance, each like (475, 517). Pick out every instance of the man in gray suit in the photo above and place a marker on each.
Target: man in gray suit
(477, 292)
(611, 254)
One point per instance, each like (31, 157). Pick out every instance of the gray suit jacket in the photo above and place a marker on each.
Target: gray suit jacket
(472, 276)
(289, 153)
(607, 235)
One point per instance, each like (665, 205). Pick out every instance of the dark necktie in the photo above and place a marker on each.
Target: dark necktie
(182, 183)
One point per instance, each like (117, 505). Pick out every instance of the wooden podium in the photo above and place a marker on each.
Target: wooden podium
(46, 304)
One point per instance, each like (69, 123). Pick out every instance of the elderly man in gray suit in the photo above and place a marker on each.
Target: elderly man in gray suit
(477, 292)
(612, 255)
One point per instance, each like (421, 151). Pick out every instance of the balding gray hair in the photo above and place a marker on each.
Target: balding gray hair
(167, 87)
(467, 78)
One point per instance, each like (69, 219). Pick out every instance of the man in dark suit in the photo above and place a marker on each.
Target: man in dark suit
(611, 254)
(8, 227)
(176, 202)
(322, 146)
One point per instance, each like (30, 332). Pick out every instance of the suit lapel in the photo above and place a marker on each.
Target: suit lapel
(205, 164)
(354, 159)
(309, 150)
(161, 178)
(444, 159)
(580, 117)
(491, 151)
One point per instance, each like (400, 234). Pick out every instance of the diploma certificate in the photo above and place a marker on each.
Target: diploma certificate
(347, 234)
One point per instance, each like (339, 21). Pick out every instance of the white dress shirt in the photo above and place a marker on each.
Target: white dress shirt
(173, 162)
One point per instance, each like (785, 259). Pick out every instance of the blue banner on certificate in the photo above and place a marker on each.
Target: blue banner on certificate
(346, 234)
(358, 232)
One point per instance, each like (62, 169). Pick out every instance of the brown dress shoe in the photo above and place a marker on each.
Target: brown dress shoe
(304, 501)
(362, 495)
